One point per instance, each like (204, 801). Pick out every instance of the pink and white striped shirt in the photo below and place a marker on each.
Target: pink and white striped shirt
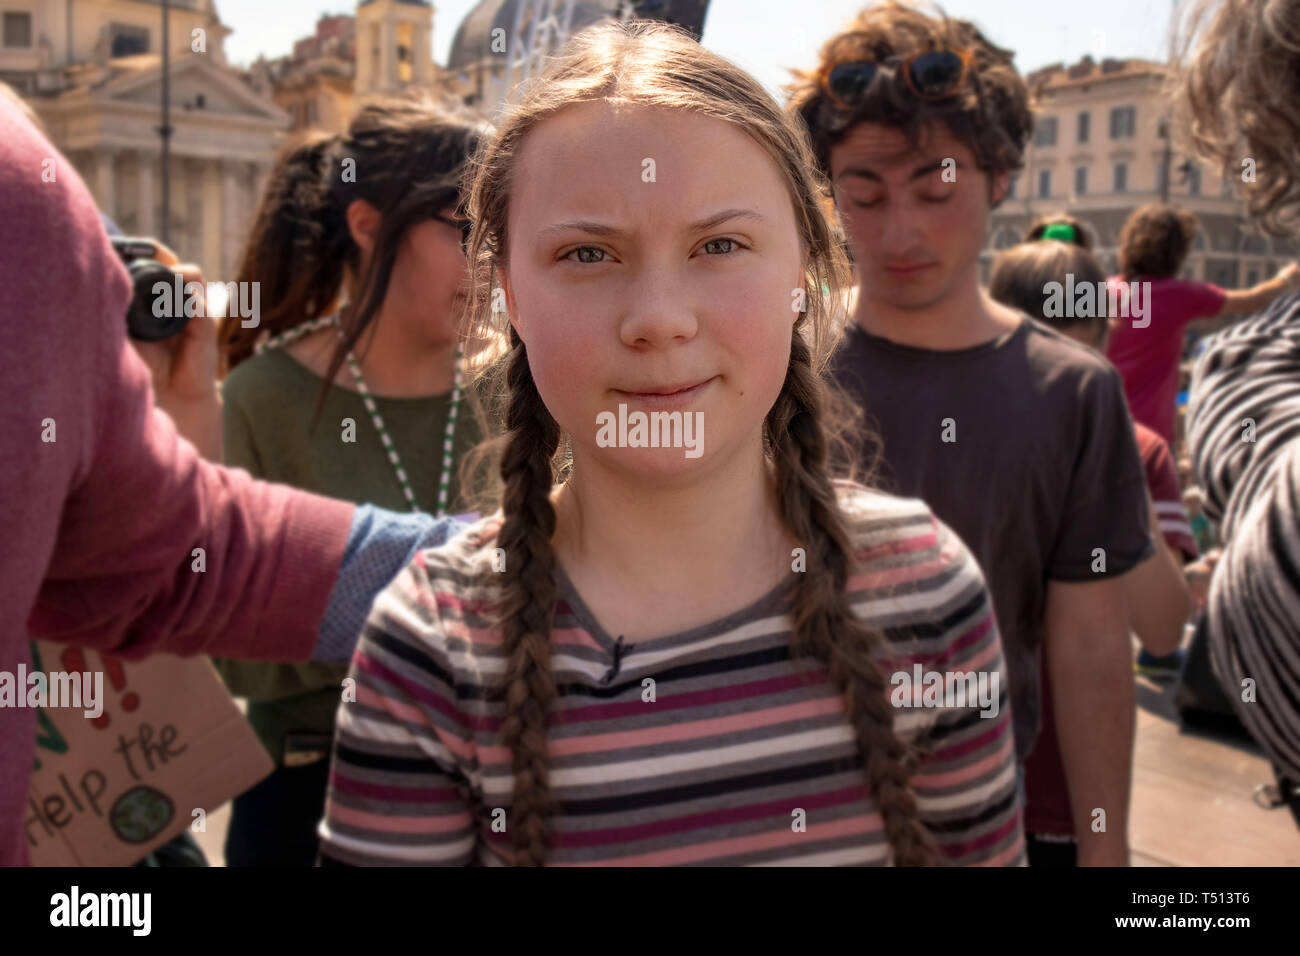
(743, 756)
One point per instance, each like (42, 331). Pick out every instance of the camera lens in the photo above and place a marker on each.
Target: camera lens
(143, 320)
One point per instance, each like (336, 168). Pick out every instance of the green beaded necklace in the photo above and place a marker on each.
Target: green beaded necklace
(448, 439)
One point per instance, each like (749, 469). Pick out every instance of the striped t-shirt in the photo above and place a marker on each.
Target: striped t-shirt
(1244, 432)
(709, 746)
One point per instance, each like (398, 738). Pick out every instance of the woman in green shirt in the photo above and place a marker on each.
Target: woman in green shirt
(349, 385)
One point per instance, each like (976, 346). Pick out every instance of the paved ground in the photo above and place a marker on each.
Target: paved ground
(1193, 795)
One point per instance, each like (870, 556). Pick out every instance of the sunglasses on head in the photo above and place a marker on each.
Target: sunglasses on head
(932, 75)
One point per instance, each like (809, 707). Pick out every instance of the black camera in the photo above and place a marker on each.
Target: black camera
(150, 317)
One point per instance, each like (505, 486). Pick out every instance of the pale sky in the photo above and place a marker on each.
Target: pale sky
(765, 36)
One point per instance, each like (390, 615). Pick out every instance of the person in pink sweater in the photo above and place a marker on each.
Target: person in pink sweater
(102, 503)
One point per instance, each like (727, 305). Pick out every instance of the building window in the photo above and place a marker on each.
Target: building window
(1121, 177)
(1085, 120)
(1252, 276)
(1011, 187)
(1044, 183)
(1045, 132)
(1193, 180)
(127, 40)
(1123, 122)
(18, 30)
(1081, 181)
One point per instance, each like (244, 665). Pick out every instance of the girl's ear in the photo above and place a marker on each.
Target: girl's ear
(800, 286)
(363, 224)
(511, 312)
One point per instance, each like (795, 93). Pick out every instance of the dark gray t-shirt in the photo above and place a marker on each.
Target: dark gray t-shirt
(1022, 445)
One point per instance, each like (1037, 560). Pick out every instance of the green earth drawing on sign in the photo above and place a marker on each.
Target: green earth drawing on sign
(140, 814)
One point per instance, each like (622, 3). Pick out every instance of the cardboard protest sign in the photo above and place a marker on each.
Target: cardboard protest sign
(170, 741)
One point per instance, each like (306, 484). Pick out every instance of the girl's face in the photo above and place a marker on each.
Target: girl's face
(652, 263)
(427, 291)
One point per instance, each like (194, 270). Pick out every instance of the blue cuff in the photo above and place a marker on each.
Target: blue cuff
(380, 545)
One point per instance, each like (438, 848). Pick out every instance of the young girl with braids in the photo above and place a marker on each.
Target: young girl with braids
(669, 659)
(348, 386)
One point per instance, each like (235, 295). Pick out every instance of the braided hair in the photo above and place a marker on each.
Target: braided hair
(653, 64)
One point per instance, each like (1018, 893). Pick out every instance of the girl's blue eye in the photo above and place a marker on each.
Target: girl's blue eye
(711, 247)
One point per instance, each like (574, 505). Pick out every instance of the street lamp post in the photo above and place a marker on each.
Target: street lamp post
(1167, 161)
(165, 130)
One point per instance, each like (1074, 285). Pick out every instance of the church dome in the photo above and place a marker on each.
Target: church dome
(473, 40)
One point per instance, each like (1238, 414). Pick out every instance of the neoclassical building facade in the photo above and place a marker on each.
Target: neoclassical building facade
(92, 71)
(1103, 146)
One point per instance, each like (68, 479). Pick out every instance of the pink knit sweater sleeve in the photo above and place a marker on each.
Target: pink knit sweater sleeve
(148, 547)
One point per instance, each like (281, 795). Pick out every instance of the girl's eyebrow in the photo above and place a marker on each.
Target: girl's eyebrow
(603, 229)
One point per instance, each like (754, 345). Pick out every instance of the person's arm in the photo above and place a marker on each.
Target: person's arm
(1090, 663)
(160, 551)
(1239, 302)
(1157, 596)
(1103, 536)
(152, 549)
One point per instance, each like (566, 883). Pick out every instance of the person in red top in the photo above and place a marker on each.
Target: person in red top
(1152, 246)
(1166, 493)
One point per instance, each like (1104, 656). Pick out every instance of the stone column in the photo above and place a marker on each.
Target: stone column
(231, 209)
(211, 229)
(192, 176)
(387, 79)
(145, 194)
(423, 72)
(105, 181)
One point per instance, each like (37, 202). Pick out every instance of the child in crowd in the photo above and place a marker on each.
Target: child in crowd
(1155, 591)
(670, 657)
(349, 386)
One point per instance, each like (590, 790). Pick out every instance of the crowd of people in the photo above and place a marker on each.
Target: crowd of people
(569, 653)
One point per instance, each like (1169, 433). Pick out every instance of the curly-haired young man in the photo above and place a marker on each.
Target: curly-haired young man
(1016, 436)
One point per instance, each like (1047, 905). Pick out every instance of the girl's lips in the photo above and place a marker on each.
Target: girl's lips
(908, 270)
(669, 396)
